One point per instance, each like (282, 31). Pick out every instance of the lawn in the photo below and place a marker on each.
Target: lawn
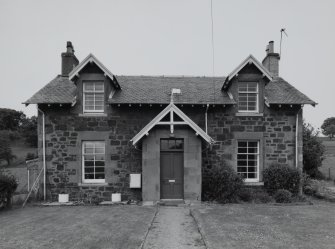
(75, 227)
(268, 226)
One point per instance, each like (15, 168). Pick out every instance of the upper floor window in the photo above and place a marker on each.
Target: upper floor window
(248, 97)
(93, 93)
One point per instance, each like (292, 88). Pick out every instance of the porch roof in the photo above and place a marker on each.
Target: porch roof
(170, 109)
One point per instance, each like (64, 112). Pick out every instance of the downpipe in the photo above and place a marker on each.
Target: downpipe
(44, 161)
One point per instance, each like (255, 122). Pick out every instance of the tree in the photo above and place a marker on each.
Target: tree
(11, 119)
(328, 127)
(313, 150)
(29, 130)
(5, 149)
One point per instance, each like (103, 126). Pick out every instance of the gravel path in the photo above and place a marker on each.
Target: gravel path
(173, 227)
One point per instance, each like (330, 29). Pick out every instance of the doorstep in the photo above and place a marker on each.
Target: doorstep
(172, 202)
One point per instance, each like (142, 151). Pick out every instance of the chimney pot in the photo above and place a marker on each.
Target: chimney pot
(271, 47)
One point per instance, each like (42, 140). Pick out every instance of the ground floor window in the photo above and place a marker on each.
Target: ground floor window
(248, 160)
(93, 162)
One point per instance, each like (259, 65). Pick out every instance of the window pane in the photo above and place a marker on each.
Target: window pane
(241, 156)
(89, 169)
(99, 163)
(89, 163)
(99, 169)
(89, 176)
(89, 157)
(164, 144)
(252, 150)
(88, 86)
(242, 144)
(100, 157)
(99, 86)
(242, 150)
(99, 176)
(251, 175)
(172, 144)
(242, 163)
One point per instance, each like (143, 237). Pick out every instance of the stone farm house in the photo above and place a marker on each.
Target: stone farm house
(151, 137)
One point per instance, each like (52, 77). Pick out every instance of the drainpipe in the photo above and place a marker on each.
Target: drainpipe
(44, 162)
(206, 118)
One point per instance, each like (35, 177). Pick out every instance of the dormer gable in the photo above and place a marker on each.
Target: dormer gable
(248, 61)
(92, 59)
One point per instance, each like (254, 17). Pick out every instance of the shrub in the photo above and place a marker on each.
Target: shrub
(222, 184)
(245, 194)
(262, 197)
(257, 195)
(283, 196)
(281, 177)
(313, 151)
(8, 186)
(30, 156)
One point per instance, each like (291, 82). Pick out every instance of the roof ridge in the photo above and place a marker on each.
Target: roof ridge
(171, 76)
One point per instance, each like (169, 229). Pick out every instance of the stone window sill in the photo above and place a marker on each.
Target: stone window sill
(92, 114)
(254, 183)
(92, 184)
(251, 114)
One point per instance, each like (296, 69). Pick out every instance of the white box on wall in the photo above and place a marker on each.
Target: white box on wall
(135, 180)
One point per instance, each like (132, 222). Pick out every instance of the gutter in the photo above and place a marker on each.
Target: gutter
(44, 161)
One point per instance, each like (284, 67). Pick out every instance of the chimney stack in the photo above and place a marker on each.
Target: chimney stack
(271, 60)
(69, 60)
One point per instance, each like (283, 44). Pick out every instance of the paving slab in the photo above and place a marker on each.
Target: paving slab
(173, 227)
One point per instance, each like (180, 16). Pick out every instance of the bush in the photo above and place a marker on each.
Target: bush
(8, 186)
(262, 197)
(222, 184)
(245, 194)
(313, 151)
(283, 196)
(256, 195)
(281, 177)
(30, 156)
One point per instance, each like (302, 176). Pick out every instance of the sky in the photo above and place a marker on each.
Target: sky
(156, 37)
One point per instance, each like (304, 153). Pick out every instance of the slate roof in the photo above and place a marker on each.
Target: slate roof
(60, 90)
(280, 91)
(157, 89)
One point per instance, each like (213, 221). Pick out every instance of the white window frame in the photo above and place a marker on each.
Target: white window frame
(94, 92)
(83, 162)
(258, 157)
(249, 92)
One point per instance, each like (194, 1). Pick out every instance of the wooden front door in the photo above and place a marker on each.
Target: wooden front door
(172, 169)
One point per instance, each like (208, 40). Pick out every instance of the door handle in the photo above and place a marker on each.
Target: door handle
(172, 181)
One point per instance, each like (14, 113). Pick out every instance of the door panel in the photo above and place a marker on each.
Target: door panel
(172, 175)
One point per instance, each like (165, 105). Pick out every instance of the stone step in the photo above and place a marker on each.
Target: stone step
(171, 203)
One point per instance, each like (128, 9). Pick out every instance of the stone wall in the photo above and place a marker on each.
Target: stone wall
(65, 132)
(275, 130)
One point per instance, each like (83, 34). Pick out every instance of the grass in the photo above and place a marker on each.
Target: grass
(268, 226)
(75, 227)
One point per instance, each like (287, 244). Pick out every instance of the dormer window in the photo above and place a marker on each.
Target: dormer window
(93, 96)
(248, 97)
